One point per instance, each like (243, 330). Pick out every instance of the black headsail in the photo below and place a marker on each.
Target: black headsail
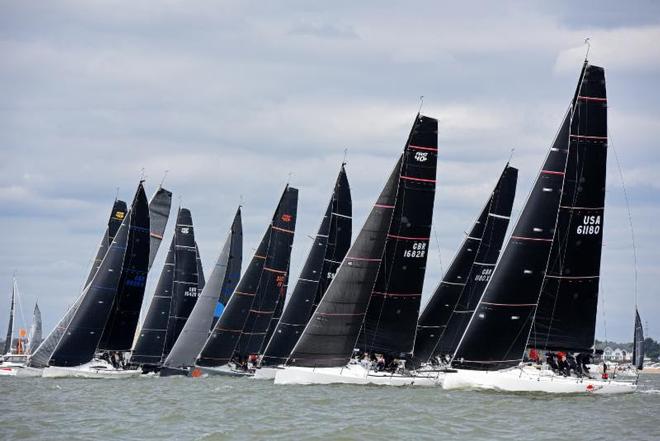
(222, 341)
(566, 314)
(638, 343)
(498, 332)
(120, 327)
(332, 332)
(159, 213)
(391, 319)
(447, 313)
(82, 335)
(329, 248)
(272, 285)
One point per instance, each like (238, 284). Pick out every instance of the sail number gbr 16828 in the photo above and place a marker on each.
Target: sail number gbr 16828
(590, 225)
(418, 250)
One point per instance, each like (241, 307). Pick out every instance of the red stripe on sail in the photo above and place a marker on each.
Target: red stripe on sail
(410, 178)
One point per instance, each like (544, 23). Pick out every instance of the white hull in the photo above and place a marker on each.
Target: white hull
(529, 379)
(266, 373)
(353, 374)
(92, 369)
(224, 370)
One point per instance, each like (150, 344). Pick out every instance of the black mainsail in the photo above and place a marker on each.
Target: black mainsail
(566, 314)
(638, 343)
(391, 319)
(120, 327)
(12, 313)
(197, 328)
(499, 330)
(447, 313)
(329, 248)
(260, 279)
(175, 292)
(82, 335)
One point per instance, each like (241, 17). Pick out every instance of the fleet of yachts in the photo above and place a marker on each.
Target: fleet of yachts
(511, 314)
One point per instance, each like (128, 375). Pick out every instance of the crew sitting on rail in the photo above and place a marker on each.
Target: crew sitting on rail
(550, 358)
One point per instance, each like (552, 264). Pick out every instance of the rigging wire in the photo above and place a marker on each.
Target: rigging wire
(630, 221)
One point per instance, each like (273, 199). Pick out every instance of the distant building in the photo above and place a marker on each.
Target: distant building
(617, 354)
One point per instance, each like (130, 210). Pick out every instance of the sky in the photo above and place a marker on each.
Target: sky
(233, 99)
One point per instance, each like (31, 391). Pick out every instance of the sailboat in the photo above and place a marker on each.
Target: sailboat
(445, 316)
(240, 332)
(638, 343)
(13, 361)
(122, 270)
(159, 211)
(543, 292)
(328, 250)
(197, 328)
(377, 290)
(174, 299)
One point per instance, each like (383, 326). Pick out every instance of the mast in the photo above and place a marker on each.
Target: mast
(328, 249)
(566, 314)
(498, 331)
(330, 336)
(447, 313)
(223, 339)
(638, 343)
(391, 319)
(197, 328)
(12, 313)
(35, 337)
(82, 335)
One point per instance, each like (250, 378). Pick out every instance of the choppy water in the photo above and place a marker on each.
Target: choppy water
(240, 408)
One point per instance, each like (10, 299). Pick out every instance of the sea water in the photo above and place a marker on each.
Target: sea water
(219, 408)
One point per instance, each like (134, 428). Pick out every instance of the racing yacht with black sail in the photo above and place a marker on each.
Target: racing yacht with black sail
(173, 300)
(543, 293)
(240, 331)
(328, 250)
(378, 285)
(122, 270)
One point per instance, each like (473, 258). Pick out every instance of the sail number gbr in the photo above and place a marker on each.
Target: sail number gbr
(590, 225)
(418, 250)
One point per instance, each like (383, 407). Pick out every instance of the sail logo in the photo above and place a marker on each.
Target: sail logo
(418, 250)
(590, 225)
(279, 281)
(119, 215)
(191, 292)
(421, 156)
(138, 281)
(286, 218)
(185, 230)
